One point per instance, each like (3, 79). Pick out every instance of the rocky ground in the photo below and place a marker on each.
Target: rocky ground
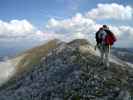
(71, 72)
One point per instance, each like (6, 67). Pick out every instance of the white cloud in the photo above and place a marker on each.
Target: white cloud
(111, 11)
(124, 35)
(16, 28)
(76, 26)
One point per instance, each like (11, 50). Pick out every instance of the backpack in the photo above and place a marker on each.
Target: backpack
(110, 38)
(100, 36)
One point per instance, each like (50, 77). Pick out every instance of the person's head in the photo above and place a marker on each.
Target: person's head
(105, 27)
(101, 28)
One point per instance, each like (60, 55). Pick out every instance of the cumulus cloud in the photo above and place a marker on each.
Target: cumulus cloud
(124, 35)
(16, 29)
(75, 27)
(111, 11)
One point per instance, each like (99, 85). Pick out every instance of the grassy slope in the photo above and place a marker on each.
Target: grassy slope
(33, 56)
(30, 58)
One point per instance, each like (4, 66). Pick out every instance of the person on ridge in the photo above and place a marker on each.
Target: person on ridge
(105, 39)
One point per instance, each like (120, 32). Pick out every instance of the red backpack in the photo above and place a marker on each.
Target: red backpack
(110, 38)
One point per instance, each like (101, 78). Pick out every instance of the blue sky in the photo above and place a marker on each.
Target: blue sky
(26, 23)
(39, 11)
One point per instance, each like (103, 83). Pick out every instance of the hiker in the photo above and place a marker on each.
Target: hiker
(105, 39)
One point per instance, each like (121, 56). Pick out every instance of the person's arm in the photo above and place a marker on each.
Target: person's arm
(96, 37)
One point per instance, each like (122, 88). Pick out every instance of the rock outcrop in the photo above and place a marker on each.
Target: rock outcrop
(70, 72)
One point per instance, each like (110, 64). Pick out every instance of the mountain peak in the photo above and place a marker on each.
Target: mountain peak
(78, 42)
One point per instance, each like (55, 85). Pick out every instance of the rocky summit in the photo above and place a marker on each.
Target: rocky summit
(70, 71)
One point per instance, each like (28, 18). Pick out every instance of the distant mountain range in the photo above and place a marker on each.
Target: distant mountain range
(125, 54)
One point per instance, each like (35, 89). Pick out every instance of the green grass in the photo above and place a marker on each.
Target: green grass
(33, 56)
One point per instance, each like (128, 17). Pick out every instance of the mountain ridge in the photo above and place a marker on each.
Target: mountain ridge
(69, 72)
